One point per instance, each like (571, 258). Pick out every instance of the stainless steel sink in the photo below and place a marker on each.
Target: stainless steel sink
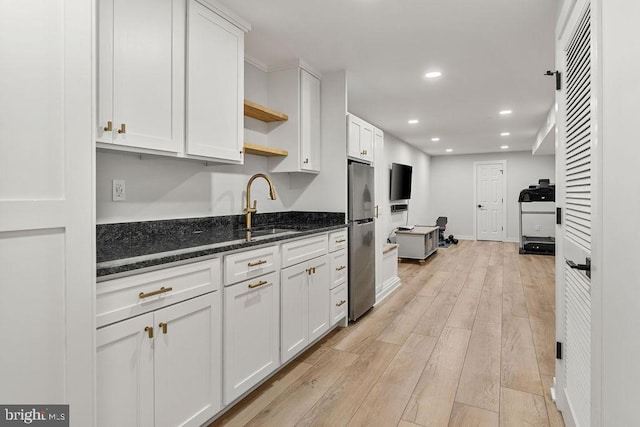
(267, 232)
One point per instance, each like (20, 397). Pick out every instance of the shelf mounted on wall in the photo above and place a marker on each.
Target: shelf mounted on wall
(261, 150)
(262, 113)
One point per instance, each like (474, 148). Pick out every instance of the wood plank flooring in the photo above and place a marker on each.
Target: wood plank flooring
(467, 340)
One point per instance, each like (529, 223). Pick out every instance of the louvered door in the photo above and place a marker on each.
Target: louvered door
(574, 285)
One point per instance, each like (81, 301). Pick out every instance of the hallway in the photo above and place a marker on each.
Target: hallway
(468, 339)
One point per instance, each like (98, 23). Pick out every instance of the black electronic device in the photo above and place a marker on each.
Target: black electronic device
(400, 182)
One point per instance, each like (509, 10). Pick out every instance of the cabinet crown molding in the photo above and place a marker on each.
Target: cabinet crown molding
(226, 14)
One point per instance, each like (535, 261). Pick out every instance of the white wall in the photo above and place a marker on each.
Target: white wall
(616, 288)
(452, 190)
(163, 188)
(397, 151)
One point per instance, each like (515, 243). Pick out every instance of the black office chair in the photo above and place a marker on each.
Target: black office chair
(441, 222)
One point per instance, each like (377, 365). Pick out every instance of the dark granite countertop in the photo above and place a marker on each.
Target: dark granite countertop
(134, 247)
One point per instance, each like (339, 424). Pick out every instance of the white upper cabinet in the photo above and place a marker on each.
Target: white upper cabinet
(309, 122)
(215, 85)
(141, 73)
(360, 141)
(296, 91)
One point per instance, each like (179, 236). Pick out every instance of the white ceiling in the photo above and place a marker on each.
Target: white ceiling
(492, 53)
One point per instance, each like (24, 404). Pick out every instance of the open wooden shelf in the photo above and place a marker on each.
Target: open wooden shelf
(262, 113)
(261, 150)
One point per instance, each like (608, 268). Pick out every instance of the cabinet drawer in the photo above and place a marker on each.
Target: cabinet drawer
(249, 264)
(337, 240)
(304, 249)
(338, 268)
(120, 299)
(338, 303)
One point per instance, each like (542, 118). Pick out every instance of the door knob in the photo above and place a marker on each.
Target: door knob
(583, 267)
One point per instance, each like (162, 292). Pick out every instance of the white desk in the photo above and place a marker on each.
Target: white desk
(418, 243)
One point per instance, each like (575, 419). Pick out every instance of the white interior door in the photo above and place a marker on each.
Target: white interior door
(576, 171)
(47, 268)
(490, 203)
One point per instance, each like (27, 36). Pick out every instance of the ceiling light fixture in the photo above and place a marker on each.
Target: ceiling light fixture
(433, 74)
(505, 112)
(414, 121)
(435, 139)
(449, 150)
(504, 147)
(505, 134)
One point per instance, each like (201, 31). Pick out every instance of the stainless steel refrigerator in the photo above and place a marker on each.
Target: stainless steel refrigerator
(362, 283)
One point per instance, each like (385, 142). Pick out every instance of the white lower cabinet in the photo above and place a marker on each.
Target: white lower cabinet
(305, 305)
(251, 333)
(161, 368)
(338, 303)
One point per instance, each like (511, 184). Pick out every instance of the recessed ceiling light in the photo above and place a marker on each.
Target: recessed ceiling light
(449, 150)
(435, 139)
(414, 121)
(433, 74)
(504, 147)
(505, 112)
(505, 134)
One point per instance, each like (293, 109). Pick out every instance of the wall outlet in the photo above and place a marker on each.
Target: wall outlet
(118, 191)
(537, 227)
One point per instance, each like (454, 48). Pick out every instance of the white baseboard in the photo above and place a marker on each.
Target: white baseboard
(389, 286)
(464, 237)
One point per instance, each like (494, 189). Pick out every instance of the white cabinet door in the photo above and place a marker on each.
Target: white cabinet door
(354, 127)
(360, 142)
(309, 122)
(141, 73)
(295, 92)
(251, 333)
(215, 85)
(294, 302)
(366, 143)
(188, 361)
(125, 373)
(318, 299)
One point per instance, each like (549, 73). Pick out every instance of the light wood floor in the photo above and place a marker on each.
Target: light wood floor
(467, 340)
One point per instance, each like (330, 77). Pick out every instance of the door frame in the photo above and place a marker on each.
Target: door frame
(504, 196)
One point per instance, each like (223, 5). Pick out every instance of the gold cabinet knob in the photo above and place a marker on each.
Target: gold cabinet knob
(108, 127)
(306, 161)
(163, 325)
(123, 128)
(149, 331)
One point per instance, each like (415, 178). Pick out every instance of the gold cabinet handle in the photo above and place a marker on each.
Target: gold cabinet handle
(163, 325)
(149, 331)
(123, 128)
(376, 211)
(253, 264)
(340, 303)
(257, 285)
(162, 290)
(342, 267)
(311, 270)
(340, 240)
(306, 161)
(109, 126)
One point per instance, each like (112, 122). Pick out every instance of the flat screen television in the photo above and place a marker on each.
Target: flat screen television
(400, 188)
